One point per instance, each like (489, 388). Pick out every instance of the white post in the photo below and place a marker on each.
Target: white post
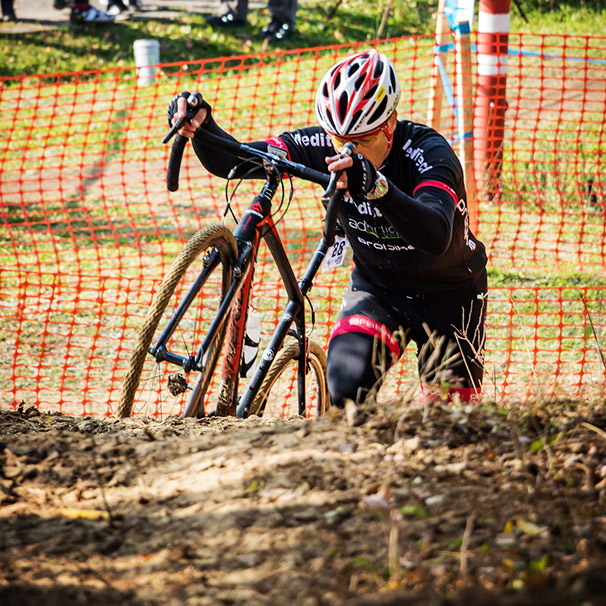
(147, 57)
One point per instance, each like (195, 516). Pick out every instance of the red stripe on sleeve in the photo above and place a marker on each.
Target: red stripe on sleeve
(439, 185)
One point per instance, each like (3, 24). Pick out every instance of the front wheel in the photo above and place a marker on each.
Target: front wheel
(155, 388)
(278, 396)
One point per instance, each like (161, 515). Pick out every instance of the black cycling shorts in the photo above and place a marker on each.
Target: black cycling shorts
(374, 327)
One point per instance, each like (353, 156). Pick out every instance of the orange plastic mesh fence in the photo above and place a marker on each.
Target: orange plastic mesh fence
(89, 228)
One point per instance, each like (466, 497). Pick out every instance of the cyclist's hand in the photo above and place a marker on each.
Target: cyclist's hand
(359, 175)
(177, 110)
(339, 163)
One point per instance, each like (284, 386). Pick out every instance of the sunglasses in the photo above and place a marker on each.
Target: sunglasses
(362, 139)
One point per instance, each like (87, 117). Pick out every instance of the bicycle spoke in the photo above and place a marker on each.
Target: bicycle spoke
(146, 389)
(278, 396)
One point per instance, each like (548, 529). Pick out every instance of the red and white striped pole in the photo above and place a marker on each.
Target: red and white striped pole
(491, 89)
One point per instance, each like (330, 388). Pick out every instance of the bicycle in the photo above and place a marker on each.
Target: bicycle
(224, 285)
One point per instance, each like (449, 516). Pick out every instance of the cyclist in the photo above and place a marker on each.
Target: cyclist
(419, 274)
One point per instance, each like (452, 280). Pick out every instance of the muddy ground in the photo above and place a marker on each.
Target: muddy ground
(408, 506)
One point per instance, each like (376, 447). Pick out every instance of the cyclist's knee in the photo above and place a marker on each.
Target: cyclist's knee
(360, 352)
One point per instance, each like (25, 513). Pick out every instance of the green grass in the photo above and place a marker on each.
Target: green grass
(586, 17)
(187, 37)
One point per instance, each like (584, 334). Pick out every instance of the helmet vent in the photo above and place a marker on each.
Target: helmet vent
(353, 68)
(377, 70)
(332, 122)
(342, 107)
(392, 79)
(371, 91)
(356, 117)
(360, 81)
(378, 113)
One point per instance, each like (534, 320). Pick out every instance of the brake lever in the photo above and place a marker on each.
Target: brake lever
(194, 101)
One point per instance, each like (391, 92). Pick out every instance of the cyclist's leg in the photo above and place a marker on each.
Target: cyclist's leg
(451, 360)
(362, 346)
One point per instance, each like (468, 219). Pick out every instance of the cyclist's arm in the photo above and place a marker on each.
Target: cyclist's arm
(215, 161)
(425, 219)
(221, 163)
(423, 215)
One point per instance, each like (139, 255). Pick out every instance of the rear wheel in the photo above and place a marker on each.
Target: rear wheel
(278, 396)
(158, 388)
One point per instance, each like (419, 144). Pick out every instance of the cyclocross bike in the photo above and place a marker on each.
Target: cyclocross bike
(196, 325)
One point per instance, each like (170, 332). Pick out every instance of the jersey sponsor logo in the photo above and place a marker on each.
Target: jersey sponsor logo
(462, 208)
(383, 246)
(416, 155)
(319, 139)
(364, 208)
(382, 232)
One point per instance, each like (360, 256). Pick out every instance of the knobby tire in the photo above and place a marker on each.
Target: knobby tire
(288, 357)
(214, 236)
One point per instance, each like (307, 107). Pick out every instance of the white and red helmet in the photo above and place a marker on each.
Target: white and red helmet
(357, 95)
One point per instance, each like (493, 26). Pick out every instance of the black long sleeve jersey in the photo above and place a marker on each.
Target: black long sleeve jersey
(415, 240)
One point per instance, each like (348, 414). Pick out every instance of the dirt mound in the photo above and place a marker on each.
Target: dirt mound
(401, 506)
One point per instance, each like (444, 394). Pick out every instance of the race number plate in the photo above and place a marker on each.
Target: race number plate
(335, 254)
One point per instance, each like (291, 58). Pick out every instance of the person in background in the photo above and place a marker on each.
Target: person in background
(83, 12)
(419, 273)
(8, 10)
(233, 13)
(120, 7)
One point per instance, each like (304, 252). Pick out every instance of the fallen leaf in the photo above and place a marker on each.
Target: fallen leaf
(86, 514)
(528, 528)
(380, 500)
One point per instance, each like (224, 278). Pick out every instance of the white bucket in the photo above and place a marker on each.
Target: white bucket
(147, 53)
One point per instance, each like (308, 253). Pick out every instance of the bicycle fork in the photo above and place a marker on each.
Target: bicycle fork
(294, 313)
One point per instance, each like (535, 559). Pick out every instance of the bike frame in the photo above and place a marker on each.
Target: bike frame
(256, 223)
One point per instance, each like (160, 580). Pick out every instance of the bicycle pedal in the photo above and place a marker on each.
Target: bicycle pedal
(177, 384)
